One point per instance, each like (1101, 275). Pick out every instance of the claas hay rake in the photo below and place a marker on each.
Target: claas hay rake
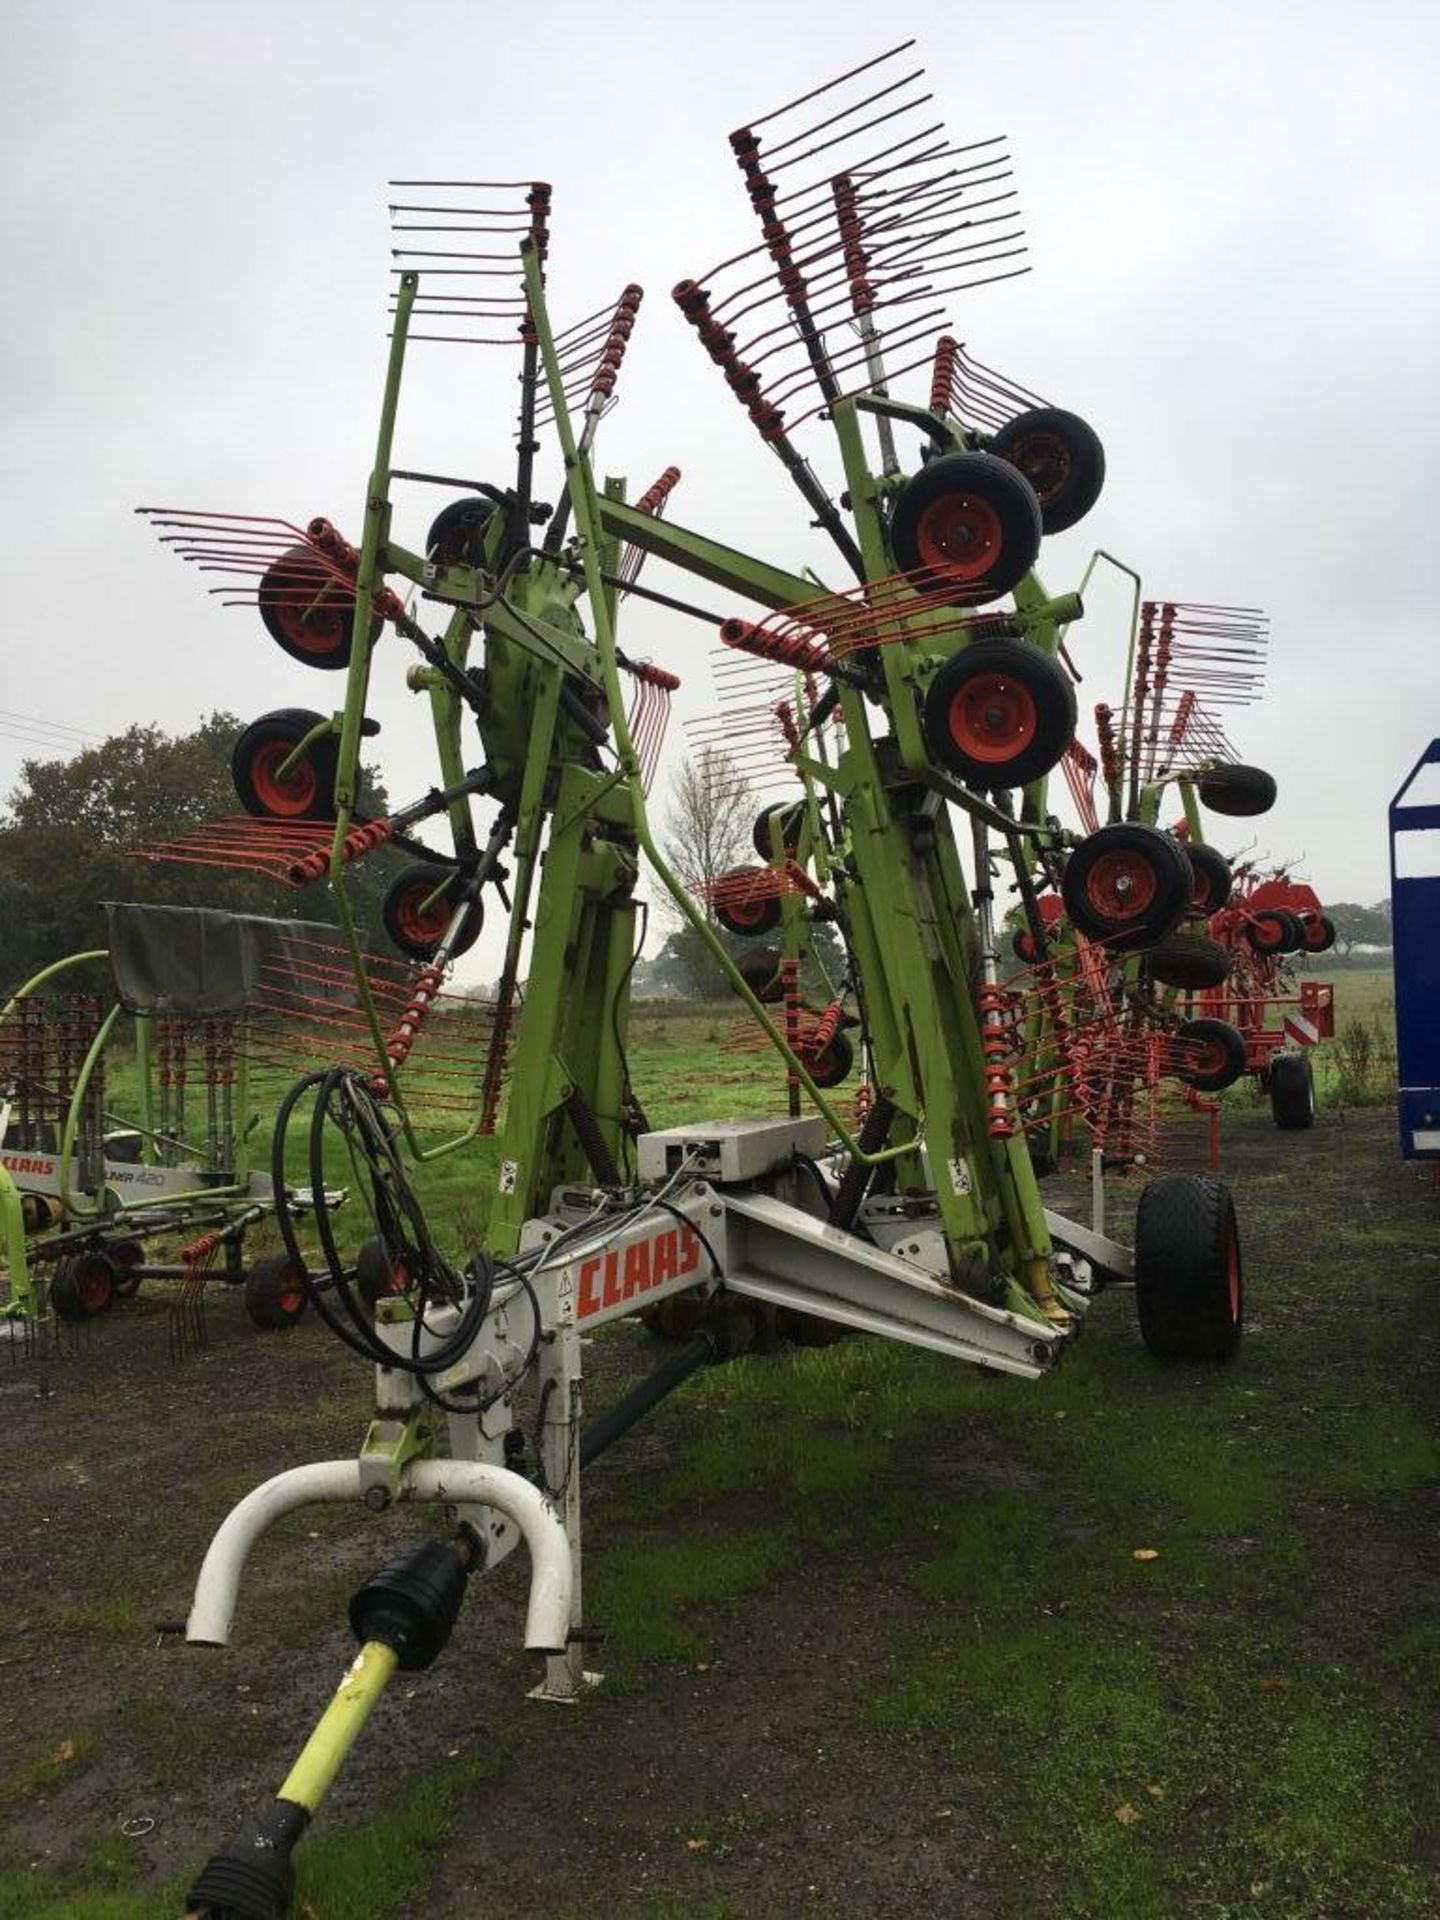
(917, 718)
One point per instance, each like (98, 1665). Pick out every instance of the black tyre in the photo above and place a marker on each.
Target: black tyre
(1213, 878)
(377, 1275)
(1128, 885)
(1319, 931)
(308, 611)
(999, 713)
(1188, 960)
(1189, 1292)
(418, 907)
(760, 970)
(82, 1285)
(829, 1068)
(789, 817)
(966, 525)
(1061, 456)
(1292, 1091)
(1237, 790)
(745, 902)
(274, 1293)
(1212, 1055)
(457, 533)
(808, 1329)
(307, 790)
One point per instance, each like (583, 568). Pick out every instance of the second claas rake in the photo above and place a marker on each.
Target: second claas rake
(918, 721)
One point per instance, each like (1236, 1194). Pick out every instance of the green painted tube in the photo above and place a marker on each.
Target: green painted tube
(338, 1728)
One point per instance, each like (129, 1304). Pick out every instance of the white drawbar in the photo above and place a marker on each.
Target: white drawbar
(464, 1482)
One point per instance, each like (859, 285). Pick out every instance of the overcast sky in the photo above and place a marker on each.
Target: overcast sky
(1232, 219)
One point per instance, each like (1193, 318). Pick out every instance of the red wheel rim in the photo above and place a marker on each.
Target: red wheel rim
(95, 1286)
(416, 921)
(1207, 1057)
(1267, 935)
(313, 611)
(286, 795)
(1045, 460)
(1121, 886)
(1314, 932)
(993, 718)
(960, 534)
(290, 1295)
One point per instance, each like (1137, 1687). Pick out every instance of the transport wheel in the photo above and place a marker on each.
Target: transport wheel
(1213, 878)
(274, 1293)
(744, 903)
(829, 1068)
(791, 821)
(1270, 931)
(83, 1285)
(307, 790)
(1236, 790)
(1214, 1055)
(1128, 885)
(126, 1256)
(999, 713)
(1190, 960)
(1319, 931)
(1188, 1288)
(1061, 456)
(760, 970)
(968, 521)
(416, 922)
(808, 1329)
(309, 612)
(456, 536)
(376, 1274)
(1292, 1091)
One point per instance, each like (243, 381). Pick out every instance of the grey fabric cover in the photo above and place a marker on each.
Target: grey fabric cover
(199, 962)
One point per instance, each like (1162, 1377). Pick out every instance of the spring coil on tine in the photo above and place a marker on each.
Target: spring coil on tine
(996, 1050)
(201, 1250)
(427, 985)
(795, 650)
(826, 1028)
(655, 497)
(942, 374)
(1105, 738)
(359, 840)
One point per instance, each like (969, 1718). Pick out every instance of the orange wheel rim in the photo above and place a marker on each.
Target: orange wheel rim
(1121, 886)
(1045, 460)
(313, 612)
(961, 535)
(288, 794)
(993, 718)
(94, 1287)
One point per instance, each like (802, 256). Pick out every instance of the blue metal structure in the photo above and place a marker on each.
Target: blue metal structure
(1415, 910)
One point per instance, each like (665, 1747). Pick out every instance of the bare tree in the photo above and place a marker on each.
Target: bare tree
(708, 824)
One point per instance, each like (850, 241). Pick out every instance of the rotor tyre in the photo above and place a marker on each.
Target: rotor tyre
(307, 790)
(834, 1064)
(1214, 1053)
(82, 1285)
(1292, 1092)
(967, 525)
(274, 1293)
(1128, 885)
(1269, 931)
(760, 970)
(1236, 790)
(308, 611)
(745, 903)
(418, 907)
(377, 1276)
(457, 533)
(1319, 932)
(1061, 456)
(1214, 879)
(1191, 961)
(999, 714)
(1189, 1290)
(126, 1256)
(790, 818)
